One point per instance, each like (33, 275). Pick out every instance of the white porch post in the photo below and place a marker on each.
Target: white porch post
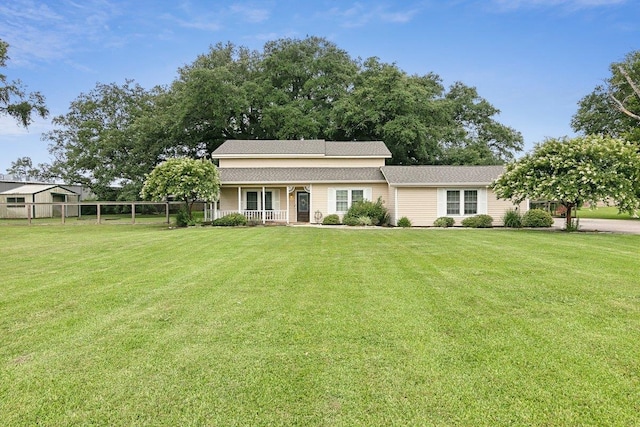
(288, 192)
(395, 205)
(311, 204)
(239, 199)
(264, 217)
(215, 210)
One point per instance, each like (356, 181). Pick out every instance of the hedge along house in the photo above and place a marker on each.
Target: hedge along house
(303, 181)
(42, 199)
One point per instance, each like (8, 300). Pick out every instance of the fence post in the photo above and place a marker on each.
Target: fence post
(168, 221)
(29, 211)
(62, 209)
(133, 213)
(98, 206)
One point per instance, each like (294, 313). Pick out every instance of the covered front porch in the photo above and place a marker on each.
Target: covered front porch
(263, 204)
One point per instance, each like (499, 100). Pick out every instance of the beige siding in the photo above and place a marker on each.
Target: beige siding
(228, 198)
(419, 204)
(43, 211)
(6, 212)
(320, 195)
(497, 207)
(303, 163)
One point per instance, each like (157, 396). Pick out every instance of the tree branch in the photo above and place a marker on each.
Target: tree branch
(635, 89)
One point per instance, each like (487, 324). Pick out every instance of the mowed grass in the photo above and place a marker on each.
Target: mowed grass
(141, 325)
(605, 212)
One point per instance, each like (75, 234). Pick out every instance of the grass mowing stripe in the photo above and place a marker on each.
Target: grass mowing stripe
(291, 326)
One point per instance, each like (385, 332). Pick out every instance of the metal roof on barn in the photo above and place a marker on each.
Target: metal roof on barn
(37, 188)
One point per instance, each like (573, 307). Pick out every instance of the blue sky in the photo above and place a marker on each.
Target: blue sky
(532, 59)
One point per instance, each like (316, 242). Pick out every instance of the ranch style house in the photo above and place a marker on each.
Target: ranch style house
(302, 181)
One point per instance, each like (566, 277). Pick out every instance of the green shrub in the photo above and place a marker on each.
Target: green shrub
(478, 221)
(537, 218)
(183, 219)
(404, 222)
(365, 220)
(351, 221)
(332, 219)
(444, 221)
(378, 214)
(512, 219)
(231, 220)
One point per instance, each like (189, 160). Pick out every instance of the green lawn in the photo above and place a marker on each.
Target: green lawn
(141, 325)
(606, 212)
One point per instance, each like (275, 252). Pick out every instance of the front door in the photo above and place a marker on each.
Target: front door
(303, 206)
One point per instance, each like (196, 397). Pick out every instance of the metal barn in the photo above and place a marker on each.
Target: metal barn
(14, 203)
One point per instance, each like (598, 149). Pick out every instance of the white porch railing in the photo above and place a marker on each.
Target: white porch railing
(251, 215)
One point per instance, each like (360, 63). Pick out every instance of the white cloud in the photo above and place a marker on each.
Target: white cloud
(249, 13)
(360, 14)
(567, 4)
(36, 32)
(10, 128)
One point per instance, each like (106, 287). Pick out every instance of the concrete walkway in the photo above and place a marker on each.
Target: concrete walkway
(604, 225)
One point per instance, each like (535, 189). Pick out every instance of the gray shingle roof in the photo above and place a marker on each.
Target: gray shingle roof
(298, 175)
(301, 148)
(441, 175)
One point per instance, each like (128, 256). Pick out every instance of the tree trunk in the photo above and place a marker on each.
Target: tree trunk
(568, 215)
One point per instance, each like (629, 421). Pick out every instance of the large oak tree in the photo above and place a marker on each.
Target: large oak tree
(613, 108)
(293, 89)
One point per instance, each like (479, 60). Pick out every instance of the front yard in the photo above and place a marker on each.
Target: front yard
(140, 325)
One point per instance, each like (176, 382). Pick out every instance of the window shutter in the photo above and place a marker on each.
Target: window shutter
(368, 194)
(442, 202)
(482, 201)
(276, 199)
(331, 200)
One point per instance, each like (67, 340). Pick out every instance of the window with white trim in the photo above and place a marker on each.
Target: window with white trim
(470, 202)
(341, 199)
(462, 202)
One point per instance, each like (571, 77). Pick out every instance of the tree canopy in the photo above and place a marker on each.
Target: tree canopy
(587, 169)
(185, 179)
(23, 168)
(613, 108)
(98, 143)
(292, 89)
(14, 100)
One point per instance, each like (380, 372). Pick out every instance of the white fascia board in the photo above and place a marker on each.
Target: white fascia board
(439, 184)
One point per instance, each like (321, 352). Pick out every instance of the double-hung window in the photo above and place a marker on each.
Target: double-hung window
(470, 202)
(341, 199)
(462, 202)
